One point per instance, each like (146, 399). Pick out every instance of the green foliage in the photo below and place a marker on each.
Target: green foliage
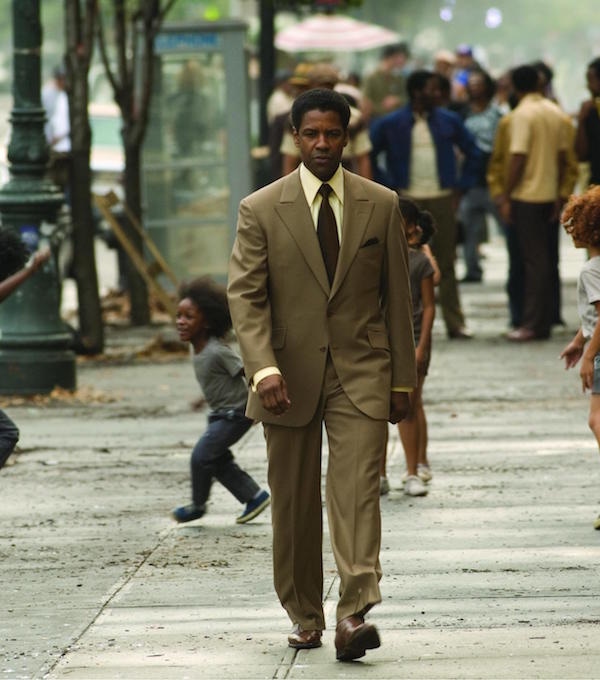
(316, 5)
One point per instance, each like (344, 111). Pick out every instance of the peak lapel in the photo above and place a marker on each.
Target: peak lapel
(358, 208)
(295, 214)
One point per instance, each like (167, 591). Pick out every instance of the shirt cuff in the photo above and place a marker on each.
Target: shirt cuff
(402, 389)
(261, 374)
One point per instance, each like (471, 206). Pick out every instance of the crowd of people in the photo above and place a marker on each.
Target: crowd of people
(328, 326)
(478, 152)
(331, 293)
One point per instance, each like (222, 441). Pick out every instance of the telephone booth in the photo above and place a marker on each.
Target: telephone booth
(196, 156)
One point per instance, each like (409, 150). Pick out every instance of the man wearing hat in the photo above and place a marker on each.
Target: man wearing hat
(465, 63)
(356, 154)
(298, 82)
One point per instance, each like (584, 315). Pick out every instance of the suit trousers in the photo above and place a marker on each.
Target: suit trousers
(535, 232)
(356, 444)
(443, 246)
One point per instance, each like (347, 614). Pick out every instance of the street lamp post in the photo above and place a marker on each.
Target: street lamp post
(34, 342)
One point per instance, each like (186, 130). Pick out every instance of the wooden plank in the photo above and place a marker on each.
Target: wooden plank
(148, 272)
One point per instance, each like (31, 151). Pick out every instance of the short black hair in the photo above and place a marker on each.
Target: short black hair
(396, 48)
(320, 99)
(595, 66)
(444, 84)
(211, 299)
(409, 209)
(13, 253)
(525, 78)
(427, 224)
(414, 215)
(543, 68)
(417, 80)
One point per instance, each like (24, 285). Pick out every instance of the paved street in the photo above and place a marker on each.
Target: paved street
(494, 574)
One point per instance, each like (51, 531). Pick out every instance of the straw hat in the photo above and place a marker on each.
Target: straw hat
(322, 75)
(300, 75)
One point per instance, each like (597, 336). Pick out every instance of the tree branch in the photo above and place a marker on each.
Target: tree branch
(121, 42)
(104, 56)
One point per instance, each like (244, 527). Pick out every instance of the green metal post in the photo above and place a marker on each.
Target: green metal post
(34, 342)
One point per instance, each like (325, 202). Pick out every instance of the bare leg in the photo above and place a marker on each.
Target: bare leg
(409, 430)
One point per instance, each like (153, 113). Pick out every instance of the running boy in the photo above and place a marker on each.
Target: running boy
(203, 320)
(581, 220)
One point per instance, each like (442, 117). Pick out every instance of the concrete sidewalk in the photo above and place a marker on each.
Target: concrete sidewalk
(494, 574)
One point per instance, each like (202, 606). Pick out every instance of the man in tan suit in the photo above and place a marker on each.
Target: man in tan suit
(320, 301)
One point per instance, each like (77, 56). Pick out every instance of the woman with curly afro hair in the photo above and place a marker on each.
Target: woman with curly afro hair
(581, 220)
(13, 256)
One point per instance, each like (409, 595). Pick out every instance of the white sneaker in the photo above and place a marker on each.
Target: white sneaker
(415, 487)
(384, 486)
(424, 473)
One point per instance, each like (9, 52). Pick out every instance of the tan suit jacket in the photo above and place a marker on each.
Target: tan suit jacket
(285, 314)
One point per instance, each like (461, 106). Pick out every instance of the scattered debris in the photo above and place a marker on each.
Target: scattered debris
(59, 395)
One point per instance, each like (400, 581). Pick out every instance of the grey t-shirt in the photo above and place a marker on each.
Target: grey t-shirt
(419, 268)
(219, 372)
(588, 292)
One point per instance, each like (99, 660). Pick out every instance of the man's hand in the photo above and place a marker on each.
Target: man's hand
(399, 406)
(272, 391)
(503, 205)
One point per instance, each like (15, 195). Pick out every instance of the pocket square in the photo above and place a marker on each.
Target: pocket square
(370, 242)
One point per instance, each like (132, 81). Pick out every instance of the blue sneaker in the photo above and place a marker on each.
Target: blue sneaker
(254, 507)
(188, 513)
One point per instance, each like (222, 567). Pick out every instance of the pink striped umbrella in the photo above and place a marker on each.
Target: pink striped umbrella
(333, 33)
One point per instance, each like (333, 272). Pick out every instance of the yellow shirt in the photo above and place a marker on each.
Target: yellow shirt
(537, 130)
(497, 170)
(311, 186)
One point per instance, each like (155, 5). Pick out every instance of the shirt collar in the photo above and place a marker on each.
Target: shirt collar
(424, 115)
(531, 97)
(311, 184)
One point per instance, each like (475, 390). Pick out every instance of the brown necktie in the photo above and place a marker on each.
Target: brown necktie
(327, 233)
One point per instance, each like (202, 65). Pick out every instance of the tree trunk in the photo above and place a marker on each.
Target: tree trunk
(84, 257)
(138, 291)
(84, 260)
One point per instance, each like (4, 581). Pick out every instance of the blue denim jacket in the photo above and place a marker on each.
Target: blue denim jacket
(392, 136)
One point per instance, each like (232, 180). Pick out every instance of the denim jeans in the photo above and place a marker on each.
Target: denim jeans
(212, 458)
(9, 436)
(474, 208)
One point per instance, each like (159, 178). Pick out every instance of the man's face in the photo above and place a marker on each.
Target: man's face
(593, 82)
(397, 62)
(429, 95)
(476, 86)
(321, 140)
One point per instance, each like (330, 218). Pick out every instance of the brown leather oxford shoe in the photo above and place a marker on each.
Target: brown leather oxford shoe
(304, 639)
(353, 637)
